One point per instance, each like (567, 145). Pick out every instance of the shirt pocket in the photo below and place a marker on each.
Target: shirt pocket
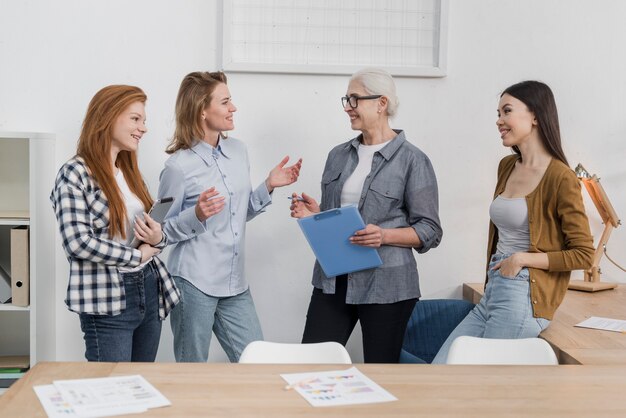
(330, 182)
(384, 197)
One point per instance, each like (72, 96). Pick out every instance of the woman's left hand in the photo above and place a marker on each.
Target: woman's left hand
(371, 236)
(283, 176)
(509, 267)
(148, 230)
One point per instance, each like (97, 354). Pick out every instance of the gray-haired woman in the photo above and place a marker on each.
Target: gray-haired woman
(394, 186)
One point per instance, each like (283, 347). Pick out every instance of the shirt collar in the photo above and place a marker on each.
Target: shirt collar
(388, 150)
(209, 153)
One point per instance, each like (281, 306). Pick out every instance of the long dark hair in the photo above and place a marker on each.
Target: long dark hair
(539, 99)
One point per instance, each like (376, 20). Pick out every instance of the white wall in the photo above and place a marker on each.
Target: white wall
(56, 55)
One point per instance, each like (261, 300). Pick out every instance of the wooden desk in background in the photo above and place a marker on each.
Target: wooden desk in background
(249, 390)
(575, 345)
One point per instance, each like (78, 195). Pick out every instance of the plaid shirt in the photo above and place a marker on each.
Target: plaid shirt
(95, 284)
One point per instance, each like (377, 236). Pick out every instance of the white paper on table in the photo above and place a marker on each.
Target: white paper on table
(57, 407)
(607, 324)
(339, 387)
(110, 395)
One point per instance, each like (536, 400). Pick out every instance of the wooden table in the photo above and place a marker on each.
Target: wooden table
(236, 390)
(575, 345)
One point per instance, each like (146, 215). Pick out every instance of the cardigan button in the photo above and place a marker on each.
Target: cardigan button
(534, 301)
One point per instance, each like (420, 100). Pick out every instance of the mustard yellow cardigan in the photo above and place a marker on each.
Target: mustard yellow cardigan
(558, 227)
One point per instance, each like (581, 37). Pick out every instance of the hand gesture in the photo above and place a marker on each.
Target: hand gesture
(147, 252)
(371, 236)
(509, 267)
(304, 206)
(283, 176)
(148, 230)
(209, 204)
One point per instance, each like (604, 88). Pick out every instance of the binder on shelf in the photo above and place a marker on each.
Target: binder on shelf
(10, 364)
(20, 274)
(328, 234)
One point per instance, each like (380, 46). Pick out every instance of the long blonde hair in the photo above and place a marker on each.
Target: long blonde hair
(94, 146)
(194, 95)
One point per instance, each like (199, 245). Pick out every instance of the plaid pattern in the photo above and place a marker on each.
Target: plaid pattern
(95, 284)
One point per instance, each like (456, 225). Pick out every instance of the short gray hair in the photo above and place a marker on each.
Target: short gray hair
(379, 81)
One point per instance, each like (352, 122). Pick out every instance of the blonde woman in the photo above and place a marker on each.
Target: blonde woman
(209, 177)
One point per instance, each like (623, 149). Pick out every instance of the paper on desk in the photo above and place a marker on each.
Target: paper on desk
(100, 397)
(607, 324)
(57, 407)
(340, 387)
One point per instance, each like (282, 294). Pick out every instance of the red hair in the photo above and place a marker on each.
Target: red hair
(94, 146)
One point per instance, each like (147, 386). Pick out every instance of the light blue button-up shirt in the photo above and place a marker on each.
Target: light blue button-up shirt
(210, 254)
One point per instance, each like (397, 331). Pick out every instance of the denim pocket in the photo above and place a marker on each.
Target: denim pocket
(522, 275)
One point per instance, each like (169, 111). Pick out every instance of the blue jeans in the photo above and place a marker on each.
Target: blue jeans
(232, 318)
(504, 311)
(132, 335)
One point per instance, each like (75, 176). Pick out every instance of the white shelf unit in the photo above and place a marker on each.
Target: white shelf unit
(27, 171)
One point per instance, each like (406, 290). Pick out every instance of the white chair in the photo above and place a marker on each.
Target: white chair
(276, 353)
(473, 350)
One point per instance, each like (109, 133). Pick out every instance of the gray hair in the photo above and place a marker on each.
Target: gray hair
(379, 81)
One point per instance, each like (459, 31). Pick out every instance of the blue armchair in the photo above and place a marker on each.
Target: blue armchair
(430, 324)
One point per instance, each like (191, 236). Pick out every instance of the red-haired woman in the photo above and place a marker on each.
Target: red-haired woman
(121, 293)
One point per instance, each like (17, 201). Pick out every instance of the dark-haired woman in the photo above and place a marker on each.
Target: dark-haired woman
(538, 231)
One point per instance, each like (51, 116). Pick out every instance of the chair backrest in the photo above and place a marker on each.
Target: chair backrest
(430, 324)
(474, 350)
(276, 353)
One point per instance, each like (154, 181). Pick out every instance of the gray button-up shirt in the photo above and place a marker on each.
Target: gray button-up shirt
(210, 254)
(400, 191)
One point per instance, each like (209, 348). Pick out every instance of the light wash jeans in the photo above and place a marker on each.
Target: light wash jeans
(233, 319)
(504, 311)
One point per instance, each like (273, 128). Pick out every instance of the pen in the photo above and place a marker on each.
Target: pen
(299, 199)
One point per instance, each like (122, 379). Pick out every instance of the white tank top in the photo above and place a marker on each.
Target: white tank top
(510, 216)
(134, 207)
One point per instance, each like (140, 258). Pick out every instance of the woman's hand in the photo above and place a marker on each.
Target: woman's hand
(510, 266)
(304, 206)
(371, 236)
(148, 230)
(283, 176)
(147, 252)
(209, 203)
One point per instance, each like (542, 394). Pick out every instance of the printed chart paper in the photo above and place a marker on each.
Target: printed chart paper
(100, 397)
(341, 387)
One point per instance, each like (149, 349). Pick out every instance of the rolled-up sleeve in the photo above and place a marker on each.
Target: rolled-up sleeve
(422, 203)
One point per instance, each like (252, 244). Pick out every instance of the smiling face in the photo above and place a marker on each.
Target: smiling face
(515, 123)
(128, 128)
(218, 115)
(366, 113)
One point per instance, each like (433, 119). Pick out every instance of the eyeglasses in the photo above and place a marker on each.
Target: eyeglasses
(353, 101)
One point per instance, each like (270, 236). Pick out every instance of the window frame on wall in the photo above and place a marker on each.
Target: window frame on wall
(234, 42)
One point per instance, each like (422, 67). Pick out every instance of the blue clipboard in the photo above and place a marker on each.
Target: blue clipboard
(328, 234)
